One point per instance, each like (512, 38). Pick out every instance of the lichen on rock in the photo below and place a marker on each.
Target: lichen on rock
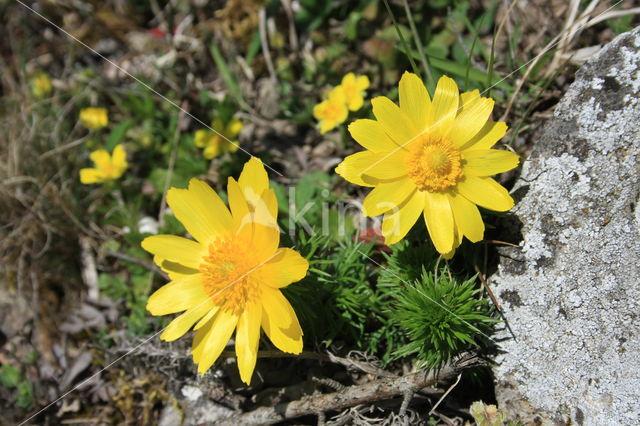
(573, 301)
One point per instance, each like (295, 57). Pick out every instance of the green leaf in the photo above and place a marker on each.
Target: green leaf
(460, 70)
(158, 177)
(309, 186)
(113, 286)
(25, 395)
(351, 28)
(9, 376)
(227, 76)
(254, 48)
(117, 134)
(281, 195)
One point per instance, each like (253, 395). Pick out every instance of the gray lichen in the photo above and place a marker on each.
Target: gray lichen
(574, 300)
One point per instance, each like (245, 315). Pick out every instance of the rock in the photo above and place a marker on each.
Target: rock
(198, 409)
(571, 292)
(169, 416)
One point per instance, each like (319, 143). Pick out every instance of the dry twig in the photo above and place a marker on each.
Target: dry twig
(382, 389)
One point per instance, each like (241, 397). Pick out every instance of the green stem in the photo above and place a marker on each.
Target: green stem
(416, 38)
(490, 65)
(402, 40)
(476, 35)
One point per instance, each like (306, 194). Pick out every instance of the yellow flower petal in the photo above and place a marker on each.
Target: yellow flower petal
(214, 343)
(468, 98)
(264, 241)
(200, 210)
(173, 269)
(231, 146)
(387, 197)
(218, 125)
(94, 118)
(371, 135)
(439, 219)
(469, 122)
(353, 88)
(205, 319)
(184, 322)
(238, 205)
(177, 249)
(327, 125)
(467, 217)
(449, 255)
(415, 101)
(253, 180)
(212, 149)
(40, 85)
(285, 268)
(485, 192)
(490, 133)
(487, 162)
(445, 105)
(247, 340)
(333, 110)
(280, 322)
(198, 339)
(397, 224)
(355, 104)
(234, 128)
(395, 123)
(352, 166)
(389, 166)
(88, 176)
(119, 158)
(349, 79)
(362, 82)
(458, 235)
(177, 296)
(266, 210)
(101, 159)
(201, 138)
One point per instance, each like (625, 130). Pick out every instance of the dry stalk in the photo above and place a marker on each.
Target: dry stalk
(378, 390)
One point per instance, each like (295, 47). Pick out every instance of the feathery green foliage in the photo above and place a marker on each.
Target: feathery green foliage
(405, 264)
(441, 317)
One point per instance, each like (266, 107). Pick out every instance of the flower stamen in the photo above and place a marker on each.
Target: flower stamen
(434, 164)
(226, 275)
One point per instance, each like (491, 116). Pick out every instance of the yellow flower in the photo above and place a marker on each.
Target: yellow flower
(108, 167)
(354, 88)
(94, 118)
(332, 111)
(230, 277)
(213, 143)
(41, 85)
(430, 157)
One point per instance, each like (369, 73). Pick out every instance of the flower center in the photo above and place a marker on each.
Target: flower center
(226, 272)
(110, 170)
(332, 112)
(434, 164)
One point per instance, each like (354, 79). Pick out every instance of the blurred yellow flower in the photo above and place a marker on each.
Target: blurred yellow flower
(354, 88)
(94, 118)
(229, 278)
(213, 143)
(430, 157)
(108, 167)
(41, 85)
(332, 111)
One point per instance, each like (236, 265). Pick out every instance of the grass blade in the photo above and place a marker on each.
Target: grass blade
(231, 83)
(402, 40)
